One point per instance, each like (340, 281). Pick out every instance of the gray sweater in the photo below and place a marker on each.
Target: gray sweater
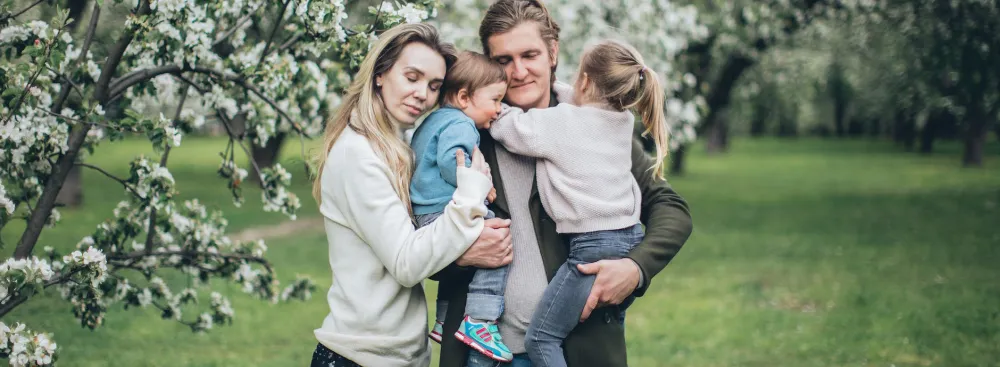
(584, 163)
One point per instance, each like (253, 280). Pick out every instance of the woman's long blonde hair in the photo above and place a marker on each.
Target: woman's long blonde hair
(621, 79)
(363, 111)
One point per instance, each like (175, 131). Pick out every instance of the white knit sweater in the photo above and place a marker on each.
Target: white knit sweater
(378, 314)
(584, 167)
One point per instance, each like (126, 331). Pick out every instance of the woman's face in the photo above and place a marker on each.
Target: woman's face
(412, 85)
(528, 61)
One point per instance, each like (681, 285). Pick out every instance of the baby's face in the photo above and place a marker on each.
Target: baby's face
(484, 106)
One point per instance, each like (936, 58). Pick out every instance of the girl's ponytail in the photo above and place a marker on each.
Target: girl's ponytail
(622, 80)
(649, 106)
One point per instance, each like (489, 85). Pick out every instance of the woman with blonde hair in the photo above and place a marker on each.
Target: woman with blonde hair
(378, 314)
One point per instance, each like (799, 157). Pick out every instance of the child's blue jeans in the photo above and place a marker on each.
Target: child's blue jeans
(485, 299)
(562, 303)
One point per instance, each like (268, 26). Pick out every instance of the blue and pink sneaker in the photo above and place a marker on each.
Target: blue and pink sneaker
(436, 332)
(484, 337)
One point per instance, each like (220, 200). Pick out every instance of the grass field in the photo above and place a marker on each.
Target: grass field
(805, 253)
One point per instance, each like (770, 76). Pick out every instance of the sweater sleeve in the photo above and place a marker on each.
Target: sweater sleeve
(666, 217)
(370, 207)
(457, 135)
(528, 132)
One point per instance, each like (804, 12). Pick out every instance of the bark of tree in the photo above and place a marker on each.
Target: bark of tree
(677, 161)
(267, 155)
(718, 135)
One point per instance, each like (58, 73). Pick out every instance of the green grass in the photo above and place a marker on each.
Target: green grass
(805, 253)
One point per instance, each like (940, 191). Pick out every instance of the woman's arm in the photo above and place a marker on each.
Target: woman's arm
(362, 192)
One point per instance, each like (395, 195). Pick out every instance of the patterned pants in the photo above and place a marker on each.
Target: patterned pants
(324, 357)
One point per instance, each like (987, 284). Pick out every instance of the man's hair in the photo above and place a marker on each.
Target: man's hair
(471, 71)
(505, 15)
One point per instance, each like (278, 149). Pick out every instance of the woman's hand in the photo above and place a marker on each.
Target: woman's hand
(493, 247)
(478, 164)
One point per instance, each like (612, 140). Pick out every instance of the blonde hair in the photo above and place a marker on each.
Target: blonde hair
(621, 79)
(363, 111)
(505, 15)
(472, 71)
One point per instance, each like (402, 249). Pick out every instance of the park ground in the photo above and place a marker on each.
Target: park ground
(805, 253)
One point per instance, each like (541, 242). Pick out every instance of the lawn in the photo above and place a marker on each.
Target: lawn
(805, 253)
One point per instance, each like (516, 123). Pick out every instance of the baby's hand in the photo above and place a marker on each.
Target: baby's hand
(492, 195)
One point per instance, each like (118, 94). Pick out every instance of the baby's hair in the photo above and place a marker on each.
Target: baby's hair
(472, 71)
(621, 79)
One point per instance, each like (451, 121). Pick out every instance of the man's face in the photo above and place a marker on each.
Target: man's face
(528, 61)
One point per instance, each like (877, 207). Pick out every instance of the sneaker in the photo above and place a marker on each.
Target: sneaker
(436, 332)
(484, 337)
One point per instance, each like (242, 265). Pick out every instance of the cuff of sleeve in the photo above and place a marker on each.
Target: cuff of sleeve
(642, 275)
(472, 189)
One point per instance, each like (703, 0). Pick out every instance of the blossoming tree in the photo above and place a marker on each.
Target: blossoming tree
(259, 68)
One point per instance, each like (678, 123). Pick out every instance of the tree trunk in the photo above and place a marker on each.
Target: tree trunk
(267, 155)
(904, 130)
(719, 95)
(677, 161)
(718, 135)
(758, 125)
(975, 141)
(929, 133)
(71, 194)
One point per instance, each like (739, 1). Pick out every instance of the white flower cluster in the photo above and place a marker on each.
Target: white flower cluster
(275, 197)
(152, 181)
(408, 12)
(25, 348)
(16, 274)
(5, 202)
(93, 260)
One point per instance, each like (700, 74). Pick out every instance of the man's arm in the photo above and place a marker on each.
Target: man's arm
(668, 225)
(665, 215)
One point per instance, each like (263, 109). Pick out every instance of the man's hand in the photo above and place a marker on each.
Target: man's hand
(493, 247)
(616, 280)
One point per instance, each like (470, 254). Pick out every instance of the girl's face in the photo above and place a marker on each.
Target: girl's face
(412, 85)
(528, 61)
(484, 105)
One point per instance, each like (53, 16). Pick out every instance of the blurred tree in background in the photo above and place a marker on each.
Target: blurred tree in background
(159, 70)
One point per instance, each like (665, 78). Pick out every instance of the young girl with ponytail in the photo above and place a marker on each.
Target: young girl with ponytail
(584, 177)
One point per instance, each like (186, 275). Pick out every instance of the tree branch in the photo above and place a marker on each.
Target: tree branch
(25, 10)
(17, 301)
(290, 42)
(109, 175)
(91, 29)
(233, 137)
(235, 28)
(151, 227)
(138, 76)
(274, 30)
(186, 253)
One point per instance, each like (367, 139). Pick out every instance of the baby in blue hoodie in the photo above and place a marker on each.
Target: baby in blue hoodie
(473, 89)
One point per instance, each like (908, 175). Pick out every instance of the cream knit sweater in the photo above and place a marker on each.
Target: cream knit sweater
(378, 314)
(584, 167)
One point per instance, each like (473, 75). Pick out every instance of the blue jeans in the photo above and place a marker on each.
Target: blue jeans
(562, 303)
(477, 359)
(324, 357)
(485, 299)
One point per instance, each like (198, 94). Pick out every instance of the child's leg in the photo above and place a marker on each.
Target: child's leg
(442, 299)
(562, 303)
(482, 309)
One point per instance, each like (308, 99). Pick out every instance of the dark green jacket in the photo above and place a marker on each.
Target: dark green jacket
(599, 341)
